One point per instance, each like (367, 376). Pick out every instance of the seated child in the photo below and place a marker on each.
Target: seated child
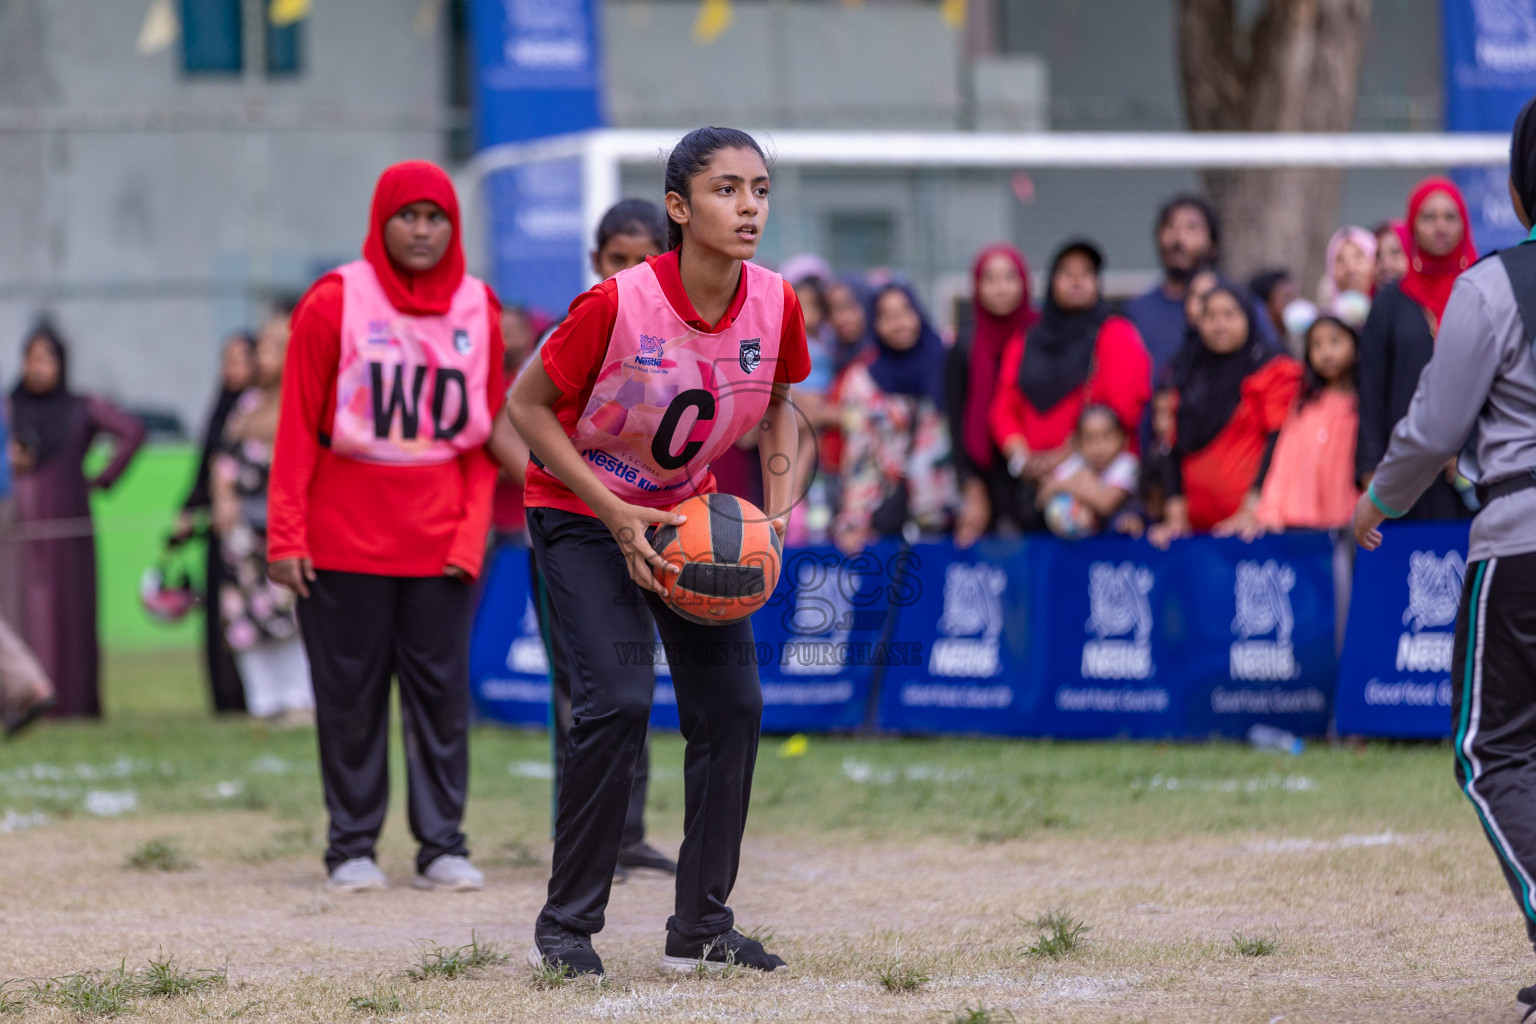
(1093, 484)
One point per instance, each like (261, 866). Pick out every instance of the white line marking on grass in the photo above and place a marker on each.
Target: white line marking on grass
(13, 822)
(1388, 838)
(109, 803)
(863, 772)
(532, 769)
(1258, 784)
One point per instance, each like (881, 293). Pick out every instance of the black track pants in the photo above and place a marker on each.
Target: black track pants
(607, 624)
(560, 699)
(1493, 703)
(360, 630)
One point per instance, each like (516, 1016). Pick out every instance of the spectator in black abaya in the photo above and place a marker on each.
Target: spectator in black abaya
(236, 373)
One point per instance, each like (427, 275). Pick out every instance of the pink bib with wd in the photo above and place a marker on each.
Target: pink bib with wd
(669, 398)
(410, 390)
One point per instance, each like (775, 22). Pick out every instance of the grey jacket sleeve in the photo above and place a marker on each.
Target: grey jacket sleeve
(1445, 406)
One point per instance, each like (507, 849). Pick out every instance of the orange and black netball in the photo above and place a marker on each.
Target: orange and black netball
(728, 557)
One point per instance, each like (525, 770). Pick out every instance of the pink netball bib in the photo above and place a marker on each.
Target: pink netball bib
(410, 390)
(670, 399)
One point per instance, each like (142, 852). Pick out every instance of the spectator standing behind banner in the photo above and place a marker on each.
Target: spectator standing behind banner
(1391, 251)
(1310, 484)
(1399, 336)
(379, 509)
(236, 370)
(25, 692)
(1349, 276)
(1188, 235)
(1001, 313)
(1481, 384)
(1234, 392)
(53, 429)
(896, 461)
(1079, 354)
(257, 614)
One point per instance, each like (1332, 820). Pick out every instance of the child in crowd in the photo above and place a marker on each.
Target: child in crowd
(1311, 484)
(1094, 483)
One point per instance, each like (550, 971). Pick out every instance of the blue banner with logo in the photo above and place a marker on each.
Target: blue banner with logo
(508, 669)
(1099, 638)
(1490, 72)
(537, 73)
(1395, 672)
(965, 660)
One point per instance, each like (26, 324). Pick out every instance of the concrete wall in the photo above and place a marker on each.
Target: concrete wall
(151, 211)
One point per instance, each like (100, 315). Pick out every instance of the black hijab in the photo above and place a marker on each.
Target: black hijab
(1058, 351)
(1522, 157)
(42, 421)
(1210, 385)
(917, 371)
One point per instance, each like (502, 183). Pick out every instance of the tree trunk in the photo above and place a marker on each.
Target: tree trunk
(1294, 69)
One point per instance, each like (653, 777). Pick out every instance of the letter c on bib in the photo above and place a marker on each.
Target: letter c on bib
(661, 445)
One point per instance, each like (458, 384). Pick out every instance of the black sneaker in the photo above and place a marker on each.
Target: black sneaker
(620, 875)
(644, 855)
(732, 949)
(555, 946)
(1525, 1002)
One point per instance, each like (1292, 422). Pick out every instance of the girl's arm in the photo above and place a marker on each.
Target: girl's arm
(1103, 499)
(778, 446)
(531, 410)
(509, 450)
(127, 431)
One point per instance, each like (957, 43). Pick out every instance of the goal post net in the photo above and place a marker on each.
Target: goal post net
(925, 203)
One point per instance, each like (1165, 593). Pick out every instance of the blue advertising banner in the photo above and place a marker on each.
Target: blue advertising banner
(821, 636)
(508, 670)
(1250, 630)
(537, 73)
(1104, 665)
(1395, 672)
(963, 661)
(1490, 72)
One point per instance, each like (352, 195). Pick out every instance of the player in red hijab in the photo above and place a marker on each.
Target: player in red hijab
(379, 506)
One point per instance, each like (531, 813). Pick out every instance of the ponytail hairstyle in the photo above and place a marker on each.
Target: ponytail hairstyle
(690, 156)
(635, 217)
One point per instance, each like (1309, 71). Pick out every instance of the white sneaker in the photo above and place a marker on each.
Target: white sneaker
(357, 875)
(450, 873)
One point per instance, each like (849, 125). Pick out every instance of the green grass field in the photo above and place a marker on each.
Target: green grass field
(904, 879)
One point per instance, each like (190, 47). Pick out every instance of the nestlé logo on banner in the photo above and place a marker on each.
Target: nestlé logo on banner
(1434, 594)
(1120, 619)
(1262, 627)
(972, 623)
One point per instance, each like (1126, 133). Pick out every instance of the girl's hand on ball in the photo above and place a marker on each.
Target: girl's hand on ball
(628, 524)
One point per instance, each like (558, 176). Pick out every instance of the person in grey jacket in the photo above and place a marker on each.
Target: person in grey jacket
(1481, 384)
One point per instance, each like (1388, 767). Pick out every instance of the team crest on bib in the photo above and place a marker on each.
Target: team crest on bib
(461, 342)
(751, 354)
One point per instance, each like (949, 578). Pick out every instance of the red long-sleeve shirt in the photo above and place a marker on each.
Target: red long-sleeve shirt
(352, 516)
(1122, 380)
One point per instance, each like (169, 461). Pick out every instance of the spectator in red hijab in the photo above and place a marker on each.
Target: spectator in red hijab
(379, 506)
(1399, 336)
(1000, 312)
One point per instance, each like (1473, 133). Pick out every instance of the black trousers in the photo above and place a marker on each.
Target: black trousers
(608, 627)
(560, 700)
(224, 683)
(359, 631)
(1493, 703)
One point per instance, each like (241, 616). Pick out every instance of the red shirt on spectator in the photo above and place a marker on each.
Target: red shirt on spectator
(1220, 475)
(1121, 380)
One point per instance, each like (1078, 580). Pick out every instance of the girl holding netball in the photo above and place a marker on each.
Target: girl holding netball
(654, 373)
